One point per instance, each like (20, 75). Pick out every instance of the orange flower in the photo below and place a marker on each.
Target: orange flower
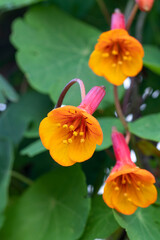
(71, 133)
(117, 56)
(128, 186)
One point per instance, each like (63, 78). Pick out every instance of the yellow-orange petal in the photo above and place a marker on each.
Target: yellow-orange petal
(103, 66)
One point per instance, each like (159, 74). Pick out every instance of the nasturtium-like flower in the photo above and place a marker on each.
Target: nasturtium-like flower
(117, 55)
(71, 133)
(128, 186)
(145, 5)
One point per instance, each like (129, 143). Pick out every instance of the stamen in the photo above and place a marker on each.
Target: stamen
(82, 140)
(114, 65)
(120, 62)
(65, 141)
(72, 111)
(116, 188)
(75, 133)
(71, 127)
(125, 58)
(105, 54)
(138, 183)
(128, 179)
(58, 124)
(65, 126)
(114, 183)
(127, 53)
(123, 181)
(81, 133)
(125, 194)
(69, 140)
(114, 52)
(138, 188)
(129, 199)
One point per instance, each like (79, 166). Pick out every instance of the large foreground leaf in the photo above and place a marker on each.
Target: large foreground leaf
(101, 222)
(9, 4)
(152, 58)
(147, 127)
(55, 207)
(144, 224)
(59, 51)
(6, 159)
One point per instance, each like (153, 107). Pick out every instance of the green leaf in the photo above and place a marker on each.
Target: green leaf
(101, 222)
(55, 207)
(6, 160)
(7, 91)
(59, 51)
(10, 4)
(33, 149)
(144, 224)
(31, 107)
(106, 124)
(147, 127)
(152, 58)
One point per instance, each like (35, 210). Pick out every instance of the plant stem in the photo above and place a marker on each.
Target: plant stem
(104, 10)
(67, 87)
(120, 114)
(21, 177)
(131, 17)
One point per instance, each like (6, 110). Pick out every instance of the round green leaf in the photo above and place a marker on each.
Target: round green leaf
(144, 224)
(101, 222)
(55, 207)
(59, 51)
(147, 127)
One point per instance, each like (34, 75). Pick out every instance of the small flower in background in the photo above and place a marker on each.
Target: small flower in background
(145, 5)
(128, 186)
(117, 55)
(71, 133)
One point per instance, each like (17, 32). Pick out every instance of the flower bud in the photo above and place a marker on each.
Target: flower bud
(117, 20)
(145, 5)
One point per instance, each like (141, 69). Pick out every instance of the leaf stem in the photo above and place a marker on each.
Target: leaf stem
(104, 10)
(120, 114)
(67, 87)
(131, 17)
(21, 178)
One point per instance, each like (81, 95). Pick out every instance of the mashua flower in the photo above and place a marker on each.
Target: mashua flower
(71, 133)
(145, 5)
(117, 55)
(128, 186)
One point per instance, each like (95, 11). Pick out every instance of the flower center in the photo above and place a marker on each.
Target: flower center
(74, 127)
(118, 52)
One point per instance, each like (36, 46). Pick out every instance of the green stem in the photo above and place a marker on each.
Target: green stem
(131, 17)
(104, 10)
(21, 177)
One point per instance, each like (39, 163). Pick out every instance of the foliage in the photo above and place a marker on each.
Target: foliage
(45, 44)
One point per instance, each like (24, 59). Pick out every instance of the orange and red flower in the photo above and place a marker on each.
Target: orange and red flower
(128, 186)
(117, 55)
(71, 133)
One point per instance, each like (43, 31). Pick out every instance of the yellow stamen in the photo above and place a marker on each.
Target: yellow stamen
(127, 53)
(123, 181)
(138, 188)
(105, 54)
(69, 140)
(65, 126)
(128, 179)
(114, 52)
(138, 183)
(125, 58)
(82, 140)
(129, 199)
(114, 183)
(58, 124)
(125, 194)
(116, 188)
(81, 133)
(120, 62)
(71, 127)
(75, 133)
(65, 141)
(72, 111)
(114, 65)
